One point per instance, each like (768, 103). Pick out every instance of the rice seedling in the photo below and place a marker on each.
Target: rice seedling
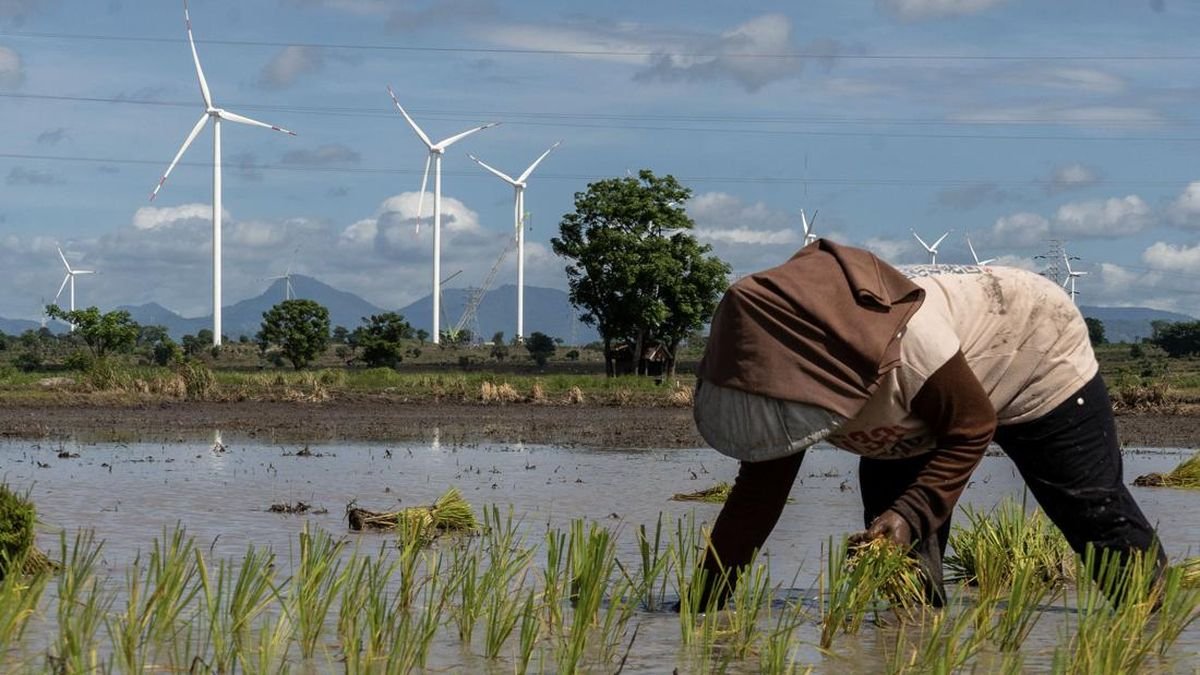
(859, 578)
(554, 577)
(265, 652)
(751, 596)
(19, 598)
(1186, 475)
(716, 494)
(450, 513)
(946, 643)
(503, 581)
(82, 605)
(317, 581)
(1177, 607)
(232, 599)
(778, 653)
(1190, 573)
(1028, 592)
(994, 543)
(530, 631)
(591, 564)
(17, 518)
(650, 572)
(415, 628)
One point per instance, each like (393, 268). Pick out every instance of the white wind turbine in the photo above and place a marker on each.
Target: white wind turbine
(519, 185)
(287, 277)
(976, 257)
(1072, 275)
(436, 150)
(809, 237)
(69, 279)
(217, 115)
(932, 249)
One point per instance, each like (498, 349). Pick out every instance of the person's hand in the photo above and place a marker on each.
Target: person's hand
(888, 525)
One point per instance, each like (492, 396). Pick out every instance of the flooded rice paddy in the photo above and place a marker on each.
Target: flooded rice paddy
(130, 494)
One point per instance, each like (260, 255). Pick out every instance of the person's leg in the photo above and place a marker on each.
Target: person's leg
(1071, 461)
(881, 483)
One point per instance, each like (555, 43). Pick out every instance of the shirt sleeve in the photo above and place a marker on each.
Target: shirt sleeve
(954, 406)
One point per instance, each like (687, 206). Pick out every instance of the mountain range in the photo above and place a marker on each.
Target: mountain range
(547, 310)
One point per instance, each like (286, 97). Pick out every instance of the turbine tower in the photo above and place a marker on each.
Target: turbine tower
(809, 237)
(436, 150)
(519, 185)
(216, 115)
(1072, 275)
(932, 249)
(69, 279)
(975, 257)
(288, 293)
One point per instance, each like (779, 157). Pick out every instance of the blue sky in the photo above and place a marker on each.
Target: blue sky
(1012, 121)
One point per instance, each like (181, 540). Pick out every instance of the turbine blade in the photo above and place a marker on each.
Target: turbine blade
(503, 176)
(921, 240)
(241, 119)
(64, 259)
(420, 134)
(61, 287)
(188, 141)
(935, 244)
(421, 198)
(973, 256)
(187, 19)
(814, 218)
(805, 225)
(537, 161)
(458, 137)
(83, 272)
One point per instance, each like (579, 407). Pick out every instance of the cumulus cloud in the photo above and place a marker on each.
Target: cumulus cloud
(325, 155)
(1115, 217)
(728, 57)
(20, 175)
(1185, 209)
(1169, 257)
(289, 65)
(12, 72)
(1070, 177)
(913, 10)
(155, 217)
(1020, 229)
(748, 236)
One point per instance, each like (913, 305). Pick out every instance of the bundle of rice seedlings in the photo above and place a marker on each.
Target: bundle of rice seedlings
(537, 393)
(575, 396)
(994, 543)
(897, 575)
(1186, 475)
(680, 396)
(17, 550)
(450, 513)
(716, 494)
(498, 393)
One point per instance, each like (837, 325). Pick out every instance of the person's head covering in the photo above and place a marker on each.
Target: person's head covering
(820, 329)
(755, 428)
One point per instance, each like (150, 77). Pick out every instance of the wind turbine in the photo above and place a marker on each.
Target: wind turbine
(216, 115)
(287, 277)
(932, 249)
(976, 257)
(436, 150)
(1071, 275)
(809, 237)
(70, 278)
(518, 184)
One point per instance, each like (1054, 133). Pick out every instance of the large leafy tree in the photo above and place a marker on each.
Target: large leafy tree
(104, 334)
(381, 339)
(300, 328)
(635, 270)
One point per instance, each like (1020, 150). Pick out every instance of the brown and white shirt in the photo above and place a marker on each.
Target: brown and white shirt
(1022, 336)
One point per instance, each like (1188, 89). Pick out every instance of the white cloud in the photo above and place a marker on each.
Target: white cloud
(12, 72)
(1185, 209)
(1020, 229)
(1163, 256)
(1115, 217)
(290, 64)
(1085, 80)
(894, 251)
(745, 235)
(154, 217)
(1071, 177)
(932, 9)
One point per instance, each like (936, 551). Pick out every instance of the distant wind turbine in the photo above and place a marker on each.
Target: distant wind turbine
(287, 277)
(809, 237)
(518, 184)
(216, 115)
(436, 150)
(69, 279)
(932, 249)
(976, 257)
(1072, 275)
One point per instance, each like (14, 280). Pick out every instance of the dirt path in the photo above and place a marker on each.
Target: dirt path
(598, 426)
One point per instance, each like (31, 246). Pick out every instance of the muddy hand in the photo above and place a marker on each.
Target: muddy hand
(889, 525)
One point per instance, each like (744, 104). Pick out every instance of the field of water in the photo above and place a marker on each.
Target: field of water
(130, 494)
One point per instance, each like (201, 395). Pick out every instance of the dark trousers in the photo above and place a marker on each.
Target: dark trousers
(1071, 461)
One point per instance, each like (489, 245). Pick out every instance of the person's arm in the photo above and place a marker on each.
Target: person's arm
(755, 502)
(954, 406)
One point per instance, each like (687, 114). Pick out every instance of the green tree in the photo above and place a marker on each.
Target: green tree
(1095, 331)
(1180, 338)
(422, 336)
(381, 339)
(340, 335)
(300, 328)
(499, 348)
(635, 270)
(541, 347)
(104, 334)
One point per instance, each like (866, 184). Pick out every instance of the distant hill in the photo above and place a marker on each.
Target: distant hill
(1130, 324)
(547, 310)
(17, 326)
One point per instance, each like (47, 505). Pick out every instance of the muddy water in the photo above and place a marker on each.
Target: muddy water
(128, 493)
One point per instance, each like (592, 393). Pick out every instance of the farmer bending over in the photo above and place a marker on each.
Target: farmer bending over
(915, 371)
